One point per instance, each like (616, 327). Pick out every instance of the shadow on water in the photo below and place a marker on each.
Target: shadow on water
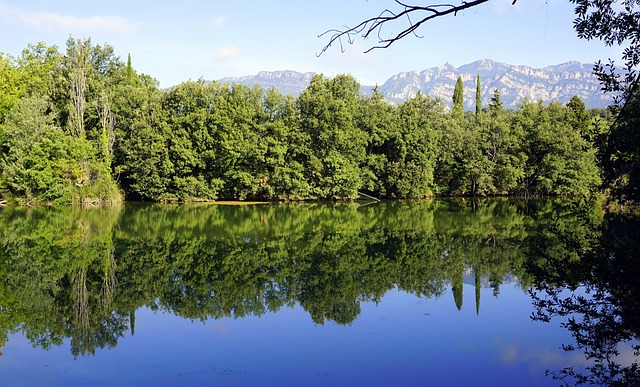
(78, 274)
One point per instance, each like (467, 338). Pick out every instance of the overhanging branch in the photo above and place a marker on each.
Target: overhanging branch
(373, 25)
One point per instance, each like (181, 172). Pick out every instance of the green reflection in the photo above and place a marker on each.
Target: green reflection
(82, 273)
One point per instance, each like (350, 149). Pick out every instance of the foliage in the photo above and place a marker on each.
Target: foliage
(76, 273)
(41, 164)
(82, 274)
(478, 96)
(620, 154)
(328, 108)
(102, 122)
(558, 159)
(615, 23)
(458, 99)
(590, 286)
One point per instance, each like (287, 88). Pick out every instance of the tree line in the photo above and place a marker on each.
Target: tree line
(83, 126)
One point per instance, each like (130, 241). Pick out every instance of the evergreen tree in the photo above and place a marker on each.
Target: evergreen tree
(130, 73)
(496, 103)
(456, 287)
(478, 96)
(458, 99)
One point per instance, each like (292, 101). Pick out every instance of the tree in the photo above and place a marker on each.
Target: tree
(615, 22)
(478, 96)
(33, 73)
(503, 146)
(458, 100)
(496, 103)
(41, 163)
(77, 66)
(620, 156)
(11, 89)
(141, 158)
(558, 159)
(379, 120)
(411, 167)
(579, 118)
(286, 148)
(612, 21)
(328, 108)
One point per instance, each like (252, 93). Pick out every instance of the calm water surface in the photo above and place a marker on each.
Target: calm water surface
(393, 293)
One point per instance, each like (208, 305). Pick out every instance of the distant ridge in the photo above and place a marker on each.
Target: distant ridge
(287, 82)
(515, 83)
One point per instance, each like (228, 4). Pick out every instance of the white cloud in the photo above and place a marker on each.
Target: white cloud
(226, 52)
(53, 22)
(218, 21)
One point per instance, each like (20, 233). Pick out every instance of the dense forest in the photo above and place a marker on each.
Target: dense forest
(84, 126)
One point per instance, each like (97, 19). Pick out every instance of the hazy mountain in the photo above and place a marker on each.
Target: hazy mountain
(515, 83)
(287, 82)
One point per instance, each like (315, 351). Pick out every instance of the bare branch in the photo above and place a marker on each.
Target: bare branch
(375, 24)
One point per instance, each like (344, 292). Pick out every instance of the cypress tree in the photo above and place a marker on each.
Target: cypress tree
(496, 103)
(478, 96)
(129, 67)
(456, 287)
(458, 99)
(478, 283)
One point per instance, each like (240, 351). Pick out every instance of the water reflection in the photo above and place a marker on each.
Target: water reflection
(604, 315)
(81, 275)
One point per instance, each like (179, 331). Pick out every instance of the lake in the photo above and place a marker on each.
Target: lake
(494, 292)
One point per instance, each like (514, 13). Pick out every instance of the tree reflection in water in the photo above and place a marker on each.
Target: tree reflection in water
(82, 274)
(604, 317)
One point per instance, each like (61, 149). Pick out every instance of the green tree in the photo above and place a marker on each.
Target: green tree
(458, 100)
(613, 22)
(328, 108)
(11, 89)
(379, 120)
(33, 73)
(559, 160)
(449, 162)
(477, 169)
(141, 157)
(77, 64)
(43, 164)
(496, 103)
(620, 154)
(192, 142)
(286, 147)
(578, 116)
(39, 66)
(503, 147)
(412, 164)
(478, 96)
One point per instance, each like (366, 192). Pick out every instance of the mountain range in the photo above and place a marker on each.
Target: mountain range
(516, 83)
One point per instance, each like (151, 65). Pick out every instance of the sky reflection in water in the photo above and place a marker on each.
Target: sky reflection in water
(286, 295)
(402, 340)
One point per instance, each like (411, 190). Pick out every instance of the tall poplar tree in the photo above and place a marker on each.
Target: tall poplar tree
(458, 99)
(78, 52)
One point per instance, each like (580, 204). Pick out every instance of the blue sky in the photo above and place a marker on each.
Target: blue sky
(175, 41)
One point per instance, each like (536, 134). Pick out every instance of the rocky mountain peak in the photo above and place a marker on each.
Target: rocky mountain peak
(516, 83)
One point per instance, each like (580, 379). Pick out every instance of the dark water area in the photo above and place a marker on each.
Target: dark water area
(476, 292)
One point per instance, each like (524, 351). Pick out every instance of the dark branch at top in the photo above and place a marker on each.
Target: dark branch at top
(374, 25)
